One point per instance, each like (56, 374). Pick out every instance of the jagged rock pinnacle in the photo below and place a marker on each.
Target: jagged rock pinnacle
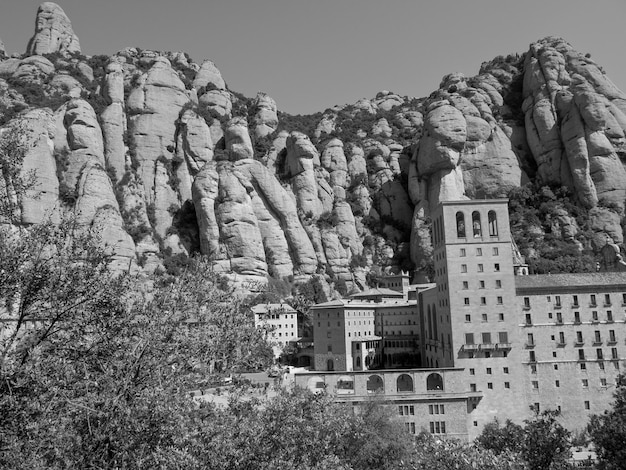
(53, 32)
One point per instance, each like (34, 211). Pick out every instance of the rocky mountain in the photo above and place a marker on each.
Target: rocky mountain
(157, 155)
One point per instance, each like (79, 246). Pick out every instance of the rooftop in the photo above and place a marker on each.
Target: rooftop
(277, 308)
(603, 280)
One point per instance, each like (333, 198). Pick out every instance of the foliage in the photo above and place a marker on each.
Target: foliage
(546, 442)
(509, 437)
(431, 453)
(14, 183)
(608, 430)
(535, 213)
(94, 368)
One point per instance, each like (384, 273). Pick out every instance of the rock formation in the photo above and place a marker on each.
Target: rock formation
(158, 156)
(53, 32)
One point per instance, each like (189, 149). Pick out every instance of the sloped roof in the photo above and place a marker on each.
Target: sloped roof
(563, 282)
(378, 292)
(265, 308)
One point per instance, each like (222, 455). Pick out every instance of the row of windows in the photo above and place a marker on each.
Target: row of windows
(488, 370)
(585, 383)
(481, 284)
(484, 318)
(479, 251)
(575, 300)
(480, 267)
(274, 316)
(532, 356)
(583, 366)
(473, 387)
(597, 338)
(476, 224)
(503, 337)
(595, 317)
(375, 383)
(483, 300)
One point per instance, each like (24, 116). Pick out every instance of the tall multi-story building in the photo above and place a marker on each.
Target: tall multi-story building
(507, 342)
(280, 322)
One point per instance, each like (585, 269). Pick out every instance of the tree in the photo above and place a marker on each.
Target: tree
(546, 442)
(509, 437)
(608, 430)
(13, 181)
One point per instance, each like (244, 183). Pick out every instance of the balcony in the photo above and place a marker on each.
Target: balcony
(561, 344)
(486, 347)
(558, 306)
(579, 343)
(501, 346)
(597, 342)
(530, 345)
(611, 341)
(470, 347)
(607, 304)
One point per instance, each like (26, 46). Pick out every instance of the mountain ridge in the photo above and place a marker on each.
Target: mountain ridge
(157, 155)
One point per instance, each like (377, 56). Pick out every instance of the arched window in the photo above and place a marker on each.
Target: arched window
(330, 364)
(476, 224)
(434, 382)
(460, 225)
(405, 383)
(374, 384)
(493, 224)
(358, 361)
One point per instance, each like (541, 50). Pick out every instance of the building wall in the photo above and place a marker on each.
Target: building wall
(557, 326)
(476, 291)
(414, 405)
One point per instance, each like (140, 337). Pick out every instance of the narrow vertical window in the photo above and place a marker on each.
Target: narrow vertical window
(477, 231)
(460, 225)
(493, 224)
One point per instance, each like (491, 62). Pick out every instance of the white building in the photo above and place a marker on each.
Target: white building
(281, 323)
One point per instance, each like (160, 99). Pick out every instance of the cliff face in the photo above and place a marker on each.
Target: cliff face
(155, 153)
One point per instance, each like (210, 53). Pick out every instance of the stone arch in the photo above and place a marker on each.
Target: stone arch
(434, 382)
(375, 384)
(460, 224)
(476, 227)
(493, 224)
(404, 383)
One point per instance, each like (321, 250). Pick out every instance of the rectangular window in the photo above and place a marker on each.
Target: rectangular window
(401, 410)
(599, 354)
(472, 387)
(597, 337)
(609, 316)
(468, 318)
(561, 338)
(500, 316)
(466, 300)
(535, 384)
(472, 372)
(486, 338)
(412, 410)
(593, 303)
(607, 299)
(614, 353)
(490, 385)
(495, 251)
(498, 284)
(531, 356)
(481, 284)
(465, 285)
(559, 317)
(505, 370)
(484, 317)
(583, 366)
(574, 301)
(489, 370)
(483, 301)
(594, 316)
(585, 383)
(557, 300)
(496, 267)
(480, 268)
(503, 337)
(581, 354)
(557, 384)
(587, 405)
(499, 300)
(462, 251)
(529, 320)
(603, 382)
(479, 251)
(576, 317)
(469, 338)
(464, 268)
(612, 336)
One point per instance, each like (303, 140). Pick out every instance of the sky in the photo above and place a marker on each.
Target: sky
(312, 54)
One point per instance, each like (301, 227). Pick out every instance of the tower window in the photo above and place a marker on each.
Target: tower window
(460, 225)
(476, 228)
(493, 224)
